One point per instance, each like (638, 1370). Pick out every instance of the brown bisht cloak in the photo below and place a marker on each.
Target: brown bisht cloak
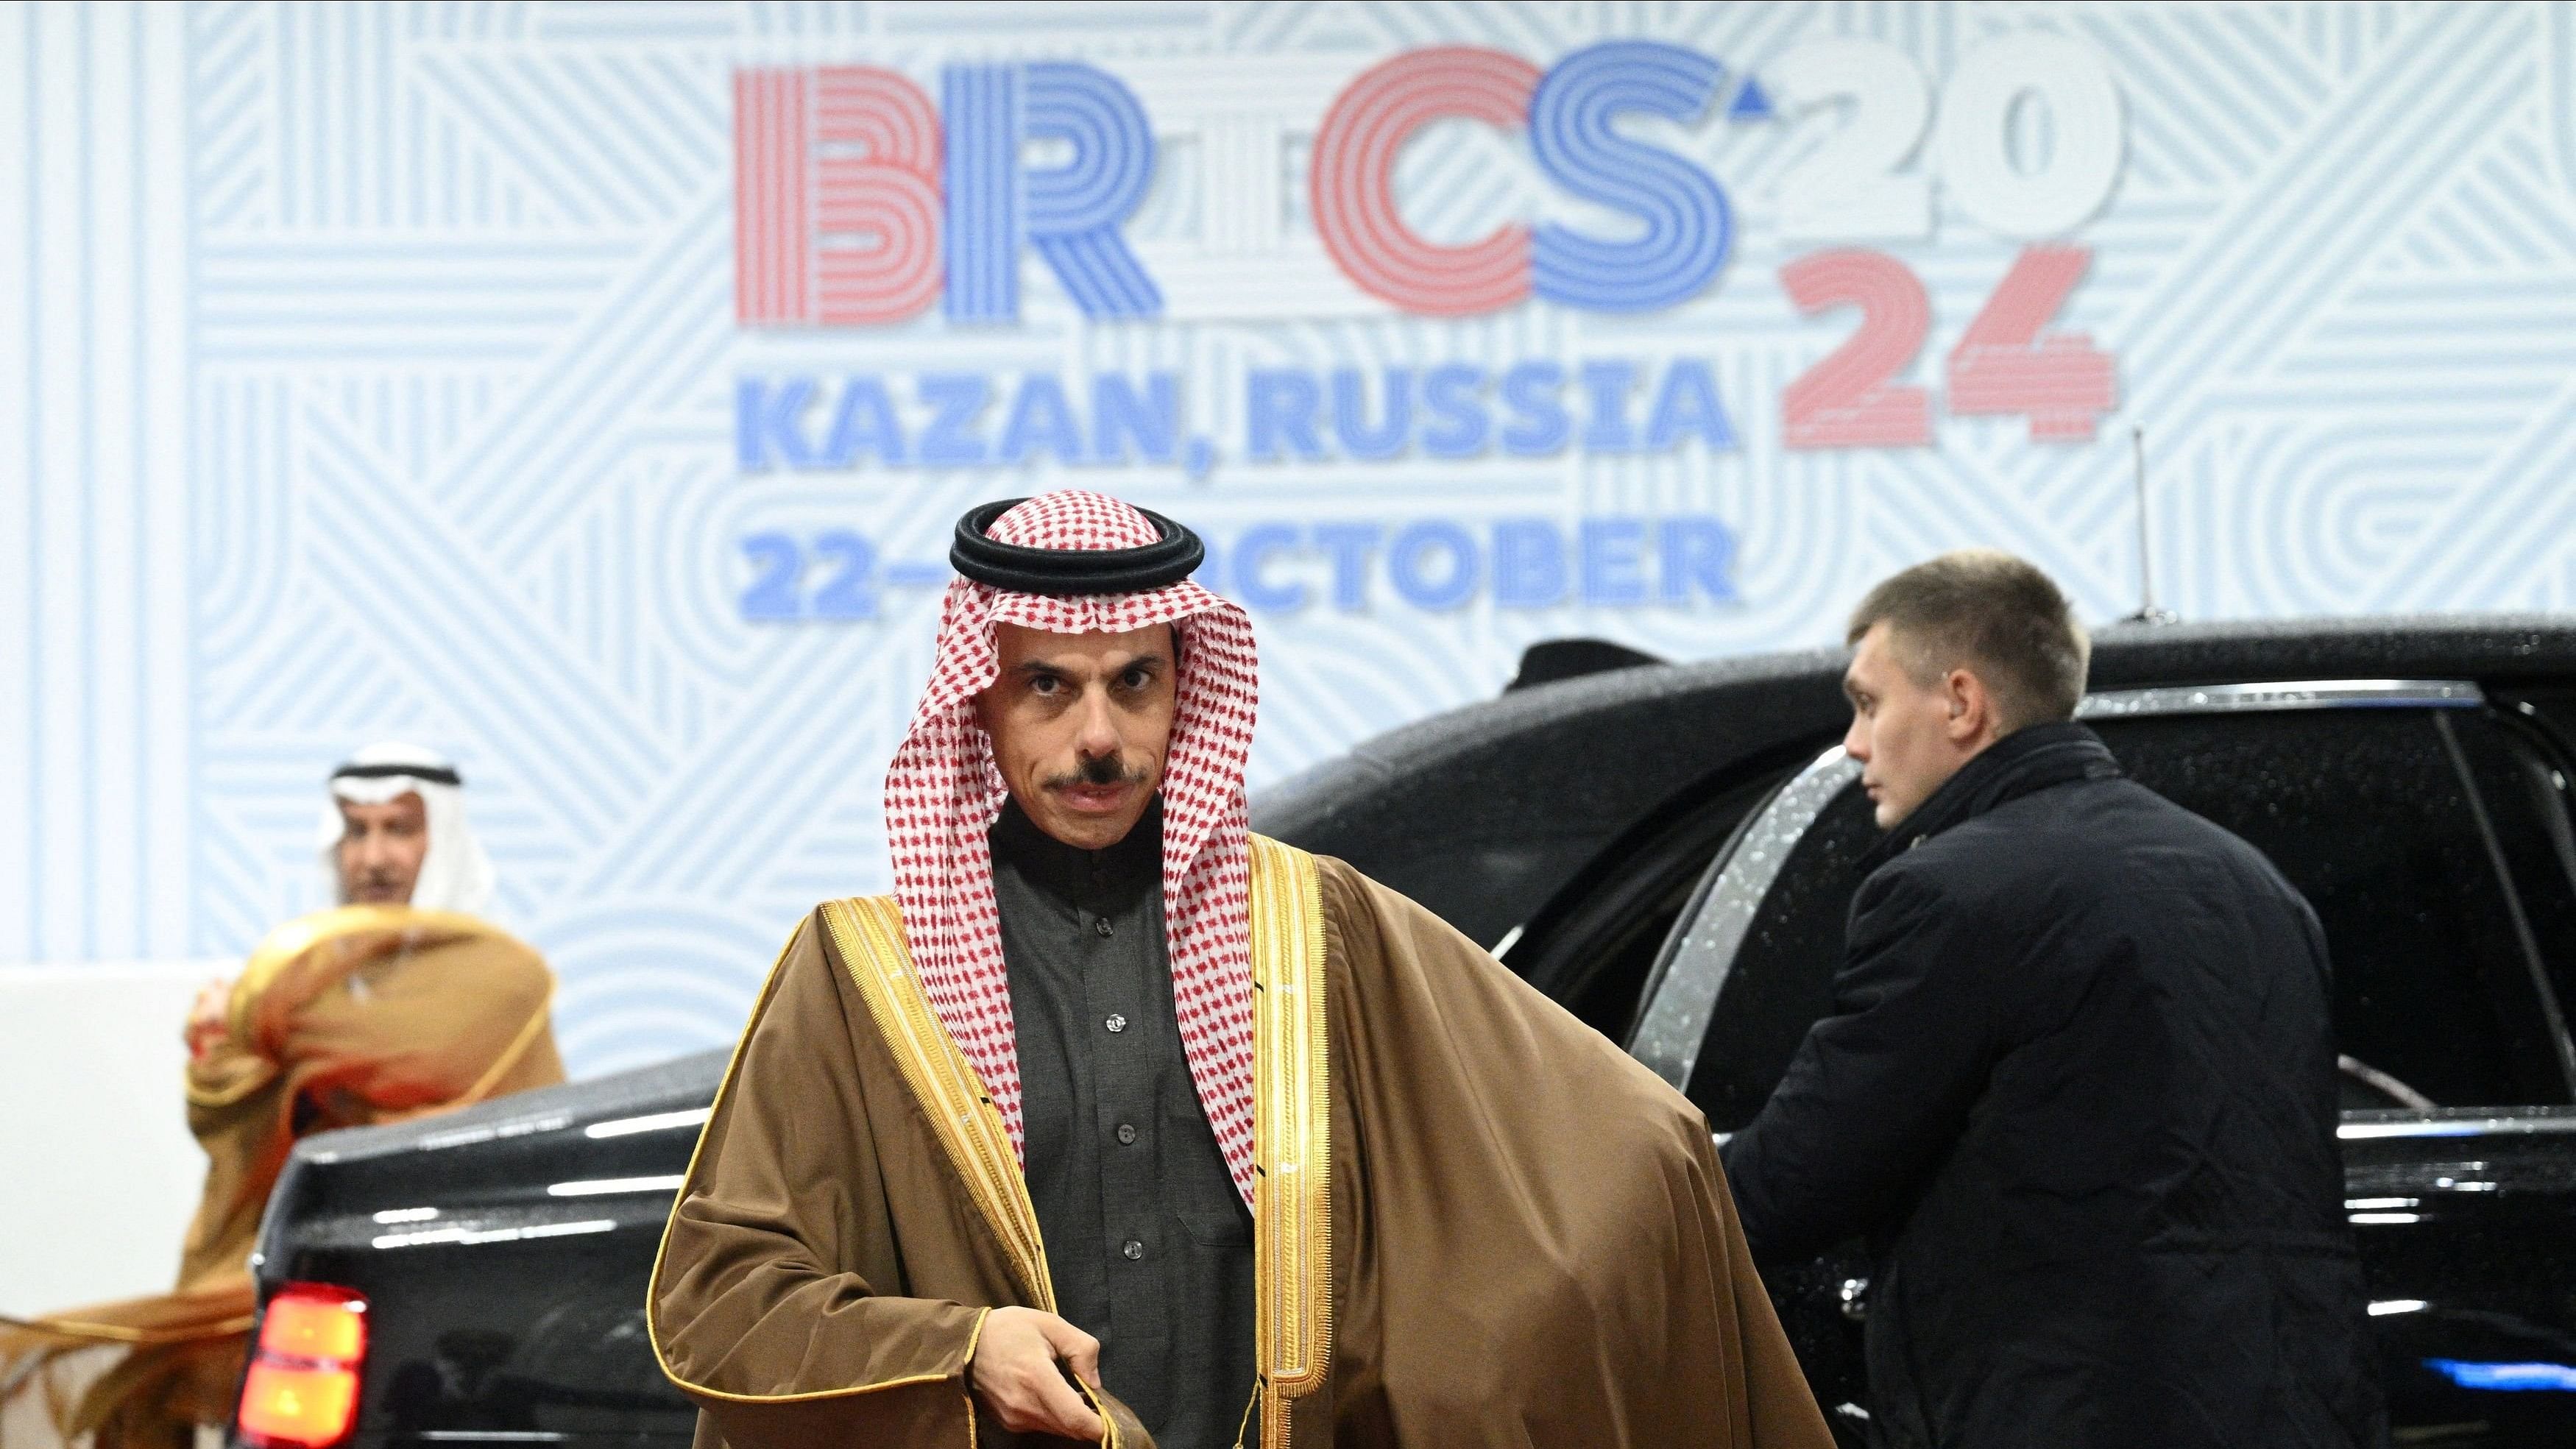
(1476, 1222)
(343, 1018)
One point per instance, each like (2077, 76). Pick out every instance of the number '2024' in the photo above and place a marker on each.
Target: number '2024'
(1857, 186)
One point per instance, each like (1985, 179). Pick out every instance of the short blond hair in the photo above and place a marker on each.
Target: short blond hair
(1988, 612)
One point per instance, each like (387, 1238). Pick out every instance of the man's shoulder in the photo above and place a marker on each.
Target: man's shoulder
(884, 900)
(1339, 886)
(835, 947)
(2091, 835)
(323, 941)
(2006, 851)
(848, 926)
(1352, 900)
(1336, 876)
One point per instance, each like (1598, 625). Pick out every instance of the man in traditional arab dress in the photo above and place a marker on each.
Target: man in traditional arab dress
(398, 1003)
(1116, 1123)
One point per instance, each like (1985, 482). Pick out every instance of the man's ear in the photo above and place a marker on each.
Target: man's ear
(1970, 707)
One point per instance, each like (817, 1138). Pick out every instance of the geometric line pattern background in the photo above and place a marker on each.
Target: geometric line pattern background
(374, 374)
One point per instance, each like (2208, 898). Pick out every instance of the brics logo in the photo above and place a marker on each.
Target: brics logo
(858, 202)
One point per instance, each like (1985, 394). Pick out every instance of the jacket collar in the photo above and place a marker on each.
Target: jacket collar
(2025, 761)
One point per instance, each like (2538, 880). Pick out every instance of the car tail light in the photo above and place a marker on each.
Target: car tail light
(302, 1389)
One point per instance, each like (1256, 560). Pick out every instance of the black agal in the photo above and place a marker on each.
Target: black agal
(1024, 570)
(434, 774)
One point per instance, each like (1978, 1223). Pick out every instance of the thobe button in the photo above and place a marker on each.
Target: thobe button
(1126, 1134)
(1133, 1250)
(1102, 926)
(1115, 1022)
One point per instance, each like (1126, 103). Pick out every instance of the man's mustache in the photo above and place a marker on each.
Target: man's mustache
(1099, 770)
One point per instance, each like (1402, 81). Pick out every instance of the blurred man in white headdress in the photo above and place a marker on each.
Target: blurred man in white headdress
(395, 834)
(396, 1003)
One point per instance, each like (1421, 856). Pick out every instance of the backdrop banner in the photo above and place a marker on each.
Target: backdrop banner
(588, 390)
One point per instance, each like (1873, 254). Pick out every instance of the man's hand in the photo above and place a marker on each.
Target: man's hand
(209, 1019)
(1015, 1372)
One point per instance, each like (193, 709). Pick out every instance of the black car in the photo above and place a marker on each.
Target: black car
(1669, 850)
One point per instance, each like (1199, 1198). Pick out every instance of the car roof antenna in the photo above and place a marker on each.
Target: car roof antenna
(2147, 613)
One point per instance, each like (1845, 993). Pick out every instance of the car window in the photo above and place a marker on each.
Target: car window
(1591, 949)
(1782, 979)
(2369, 812)
(2532, 780)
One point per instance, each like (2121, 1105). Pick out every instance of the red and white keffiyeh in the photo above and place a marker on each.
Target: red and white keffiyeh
(944, 791)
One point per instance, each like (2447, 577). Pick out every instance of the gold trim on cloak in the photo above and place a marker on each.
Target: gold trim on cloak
(870, 933)
(1292, 1198)
(1291, 1133)
(653, 1285)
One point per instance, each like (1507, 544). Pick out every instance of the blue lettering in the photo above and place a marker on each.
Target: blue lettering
(780, 563)
(1070, 214)
(764, 423)
(1208, 575)
(1251, 552)
(1529, 564)
(1688, 228)
(850, 593)
(1119, 417)
(1350, 545)
(1040, 419)
(1450, 393)
(863, 422)
(982, 191)
(1687, 403)
(1609, 383)
(950, 440)
(1416, 584)
(1698, 555)
(1612, 562)
(1350, 413)
(1074, 209)
(1282, 403)
(1529, 390)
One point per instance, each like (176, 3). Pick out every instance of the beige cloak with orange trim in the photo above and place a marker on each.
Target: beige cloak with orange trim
(347, 1017)
(1476, 1222)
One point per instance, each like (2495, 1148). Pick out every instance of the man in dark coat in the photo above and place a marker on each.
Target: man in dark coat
(2078, 1090)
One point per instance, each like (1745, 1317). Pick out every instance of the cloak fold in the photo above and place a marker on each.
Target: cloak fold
(1476, 1221)
(1535, 1244)
(359, 1015)
(826, 1273)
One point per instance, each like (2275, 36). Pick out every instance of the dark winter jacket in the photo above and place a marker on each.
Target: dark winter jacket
(2079, 1094)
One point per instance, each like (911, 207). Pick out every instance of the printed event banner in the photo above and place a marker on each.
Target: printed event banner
(588, 390)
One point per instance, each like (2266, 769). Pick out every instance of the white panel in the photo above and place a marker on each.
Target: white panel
(64, 837)
(108, 1175)
(112, 512)
(19, 705)
(166, 711)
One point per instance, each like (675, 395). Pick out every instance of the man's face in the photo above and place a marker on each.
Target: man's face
(1910, 737)
(380, 850)
(1080, 724)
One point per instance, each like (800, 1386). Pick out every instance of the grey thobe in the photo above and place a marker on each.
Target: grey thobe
(1148, 1243)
